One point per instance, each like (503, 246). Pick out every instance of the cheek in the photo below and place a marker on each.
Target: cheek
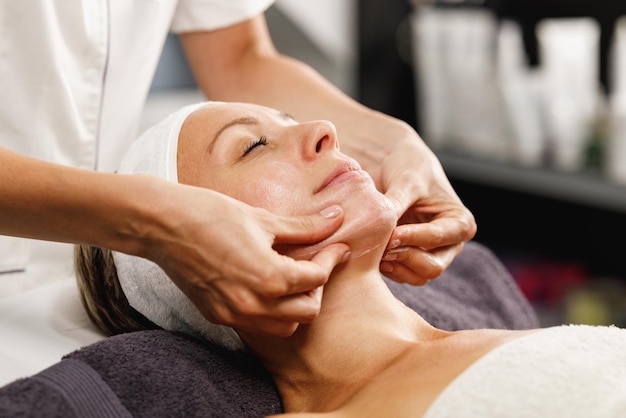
(278, 190)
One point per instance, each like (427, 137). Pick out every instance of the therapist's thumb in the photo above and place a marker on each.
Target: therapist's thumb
(311, 228)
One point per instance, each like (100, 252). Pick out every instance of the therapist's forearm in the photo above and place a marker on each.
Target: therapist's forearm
(51, 202)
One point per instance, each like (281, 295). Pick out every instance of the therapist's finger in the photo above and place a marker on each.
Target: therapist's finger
(276, 304)
(302, 276)
(417, 266)
(442, 231)
(280, 323)
(306, 229)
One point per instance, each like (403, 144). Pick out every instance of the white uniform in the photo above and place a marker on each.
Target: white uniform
(74, 76)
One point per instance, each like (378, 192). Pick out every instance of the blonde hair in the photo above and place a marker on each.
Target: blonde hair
(101, 293)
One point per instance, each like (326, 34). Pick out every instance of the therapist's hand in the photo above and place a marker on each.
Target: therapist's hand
(221, 257)
(218, 250)
(433, 222)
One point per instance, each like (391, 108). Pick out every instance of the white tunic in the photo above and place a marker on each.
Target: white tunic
(74, 76)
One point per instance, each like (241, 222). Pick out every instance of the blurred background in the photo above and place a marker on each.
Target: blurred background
(524, 102)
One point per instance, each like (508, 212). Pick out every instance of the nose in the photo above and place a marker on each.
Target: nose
(317, 138)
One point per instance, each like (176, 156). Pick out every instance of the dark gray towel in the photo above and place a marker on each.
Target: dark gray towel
(164, 374)
(476, 291)
(159, 373)
(146, 374)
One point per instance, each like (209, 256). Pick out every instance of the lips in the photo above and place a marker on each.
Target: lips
(341, 172)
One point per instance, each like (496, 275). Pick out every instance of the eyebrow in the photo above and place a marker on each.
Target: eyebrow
(242, 121)
(234, 122)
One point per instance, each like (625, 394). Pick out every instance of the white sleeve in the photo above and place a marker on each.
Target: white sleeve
(196, 15)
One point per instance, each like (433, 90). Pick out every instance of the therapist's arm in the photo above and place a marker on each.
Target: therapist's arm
(240, 63)
(202, 239)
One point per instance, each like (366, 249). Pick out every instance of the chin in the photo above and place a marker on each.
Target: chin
(368, 223)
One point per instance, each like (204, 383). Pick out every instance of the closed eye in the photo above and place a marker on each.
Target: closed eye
(261, 141)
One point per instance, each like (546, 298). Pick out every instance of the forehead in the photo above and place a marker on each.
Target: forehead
(205, 125)
(217, 113)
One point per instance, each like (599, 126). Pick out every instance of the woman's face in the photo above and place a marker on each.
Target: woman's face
(266, 159)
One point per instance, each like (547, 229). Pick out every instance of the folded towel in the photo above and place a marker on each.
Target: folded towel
(145, 284)
(146, 374)
(565, 371)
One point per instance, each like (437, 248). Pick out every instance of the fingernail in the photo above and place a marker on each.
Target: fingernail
(398, 250)
(318, 292)
(390, 257)
(331, 212)
(394, 243)
(346, 256)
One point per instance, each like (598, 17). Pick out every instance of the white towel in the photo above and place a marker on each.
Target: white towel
(145, 284)
(566, 371)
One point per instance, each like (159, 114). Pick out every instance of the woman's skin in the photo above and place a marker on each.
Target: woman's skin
(241, 64)
(366, 354)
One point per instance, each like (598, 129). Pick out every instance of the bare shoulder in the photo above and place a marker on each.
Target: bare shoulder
(415, 379)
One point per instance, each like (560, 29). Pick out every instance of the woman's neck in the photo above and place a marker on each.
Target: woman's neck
(360, 329)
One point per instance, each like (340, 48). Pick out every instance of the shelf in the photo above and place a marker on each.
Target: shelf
(582, 188)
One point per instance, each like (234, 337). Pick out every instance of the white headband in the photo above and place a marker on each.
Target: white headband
(145, 284)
